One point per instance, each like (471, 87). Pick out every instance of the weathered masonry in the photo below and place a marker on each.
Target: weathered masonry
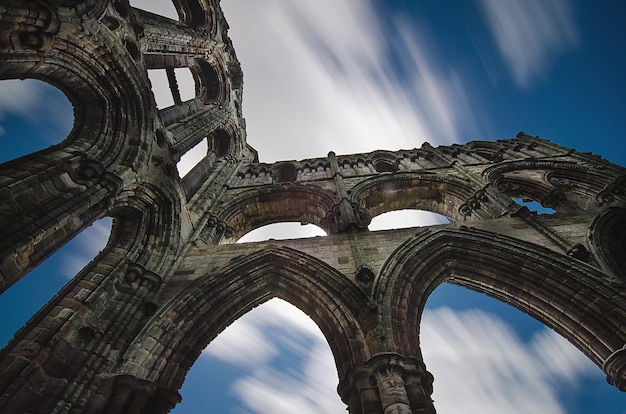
(121, 335)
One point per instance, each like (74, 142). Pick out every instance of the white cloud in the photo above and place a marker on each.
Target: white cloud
(37, 102)
(84, 247)
(254, 342)
(243, 345)
(271, 391)
(323, 81)
(531, 34)
(20, 97)
(480, 365)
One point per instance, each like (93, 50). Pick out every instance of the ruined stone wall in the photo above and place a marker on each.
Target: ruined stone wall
(122, 334)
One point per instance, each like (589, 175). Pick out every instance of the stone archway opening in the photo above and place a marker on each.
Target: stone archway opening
(400, 219)
(192, 157)
(33, 291)
(33, 116)
(534, 206)
(282, 231)
(272, 359)
(488, 356)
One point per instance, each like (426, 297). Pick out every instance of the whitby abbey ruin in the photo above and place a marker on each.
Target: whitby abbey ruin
(122, 334)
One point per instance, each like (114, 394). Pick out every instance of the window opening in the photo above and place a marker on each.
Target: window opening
(488, 356)
(400, 219)
(160, 88)
(534, 206)
(282, 231)
(186, 83)
(162, 8)
(33, 115)
(171, 86)
(20, 302)
(192, 157)
(274, 359)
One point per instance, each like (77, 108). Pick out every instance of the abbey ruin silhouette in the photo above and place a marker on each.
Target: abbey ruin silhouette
(122, 334)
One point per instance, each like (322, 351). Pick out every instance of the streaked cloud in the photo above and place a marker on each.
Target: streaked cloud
(83, 248)
(531, 34)
(31, 101)
(20, 97)
(322, 80)
(279, 327)
(479, 363)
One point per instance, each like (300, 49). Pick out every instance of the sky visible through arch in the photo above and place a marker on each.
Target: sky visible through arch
(354, 76)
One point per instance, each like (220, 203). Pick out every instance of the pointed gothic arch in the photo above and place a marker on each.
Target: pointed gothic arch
(557, 290)
(187, 322)
(560, 185)
(445, 195)
(287, 202)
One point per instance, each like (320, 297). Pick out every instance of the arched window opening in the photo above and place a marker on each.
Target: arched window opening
(171, 86)
(162, 8)
(210, 80)
(33, 115)
(400, 219)
(282, 231)
(274, 359)
(192, 157)
(26, 297)
(487, 356)
(384, 166)
(286, 172)
(219, 142)
(535, 206)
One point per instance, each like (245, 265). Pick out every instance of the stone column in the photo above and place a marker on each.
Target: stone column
(388, 384)
(615, 368)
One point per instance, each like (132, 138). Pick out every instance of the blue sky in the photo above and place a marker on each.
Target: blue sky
(355, 76)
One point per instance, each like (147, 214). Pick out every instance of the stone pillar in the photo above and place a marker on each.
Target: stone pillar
(126, 394)
(388, 384)
(615, 368)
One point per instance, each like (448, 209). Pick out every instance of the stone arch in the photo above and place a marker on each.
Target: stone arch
(285, 172)
(277, 203)
(607, 239)
(103, 84)
(197, 314)
(560, 185)
(490, 151)
(197, 14)
(222, 141)
(145, 225)
(384, 161)
(431, 192)
(560, 292)
(211, 82)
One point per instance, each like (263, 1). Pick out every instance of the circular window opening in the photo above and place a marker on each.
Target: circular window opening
(385, 166)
